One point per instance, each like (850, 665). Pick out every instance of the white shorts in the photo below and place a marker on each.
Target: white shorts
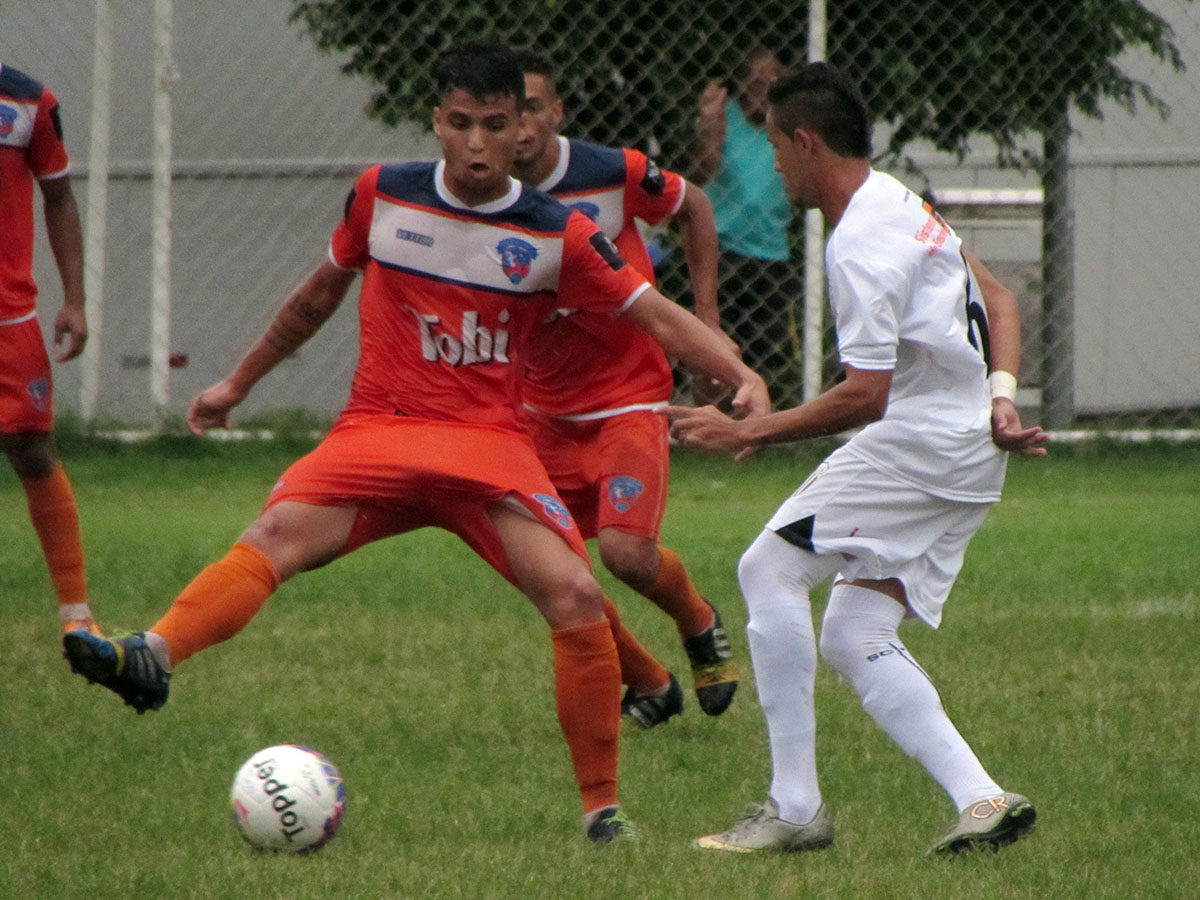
(882, 528)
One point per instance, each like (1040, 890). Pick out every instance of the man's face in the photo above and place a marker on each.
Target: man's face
(763, 69)
(543, 117)
(479, 140)
(793, 163)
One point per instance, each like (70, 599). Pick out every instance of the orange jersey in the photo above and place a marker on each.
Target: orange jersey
(581, 363)
(31, 146)
(451, 294)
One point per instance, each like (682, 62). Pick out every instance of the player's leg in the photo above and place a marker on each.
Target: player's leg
(559, 582)
(55, 518)
(776, 578)
(860, 639)
(658, 574)
(26, 426)
(287, 538)
(634, 458)
(653, 694)
(568, 450)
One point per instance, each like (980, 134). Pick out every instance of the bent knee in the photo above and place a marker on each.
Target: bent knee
(631, 558)
(839, 645)
(573, 600)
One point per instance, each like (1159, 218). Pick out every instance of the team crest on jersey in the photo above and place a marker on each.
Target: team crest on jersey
(39, 393)
(516, 257)
(591, 210)
(555, 510)
(8, 116)
(623, 492)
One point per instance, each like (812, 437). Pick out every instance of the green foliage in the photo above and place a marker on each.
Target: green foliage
(631, 71)
(945, 71)
(1067, 658)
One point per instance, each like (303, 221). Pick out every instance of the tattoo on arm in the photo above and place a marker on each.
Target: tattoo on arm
(298, 321)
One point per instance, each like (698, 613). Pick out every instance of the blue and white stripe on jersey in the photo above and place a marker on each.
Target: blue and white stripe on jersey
(591, 179)
(515, 249)
(19, 96)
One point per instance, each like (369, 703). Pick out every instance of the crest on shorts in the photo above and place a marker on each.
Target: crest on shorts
(623, 492)
(591, 210)
(516, 257)
(39, 393)
(555, 509)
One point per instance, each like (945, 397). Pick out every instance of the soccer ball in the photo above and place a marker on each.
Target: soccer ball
(287, 799)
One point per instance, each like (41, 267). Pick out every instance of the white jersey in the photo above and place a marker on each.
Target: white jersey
(903, 298)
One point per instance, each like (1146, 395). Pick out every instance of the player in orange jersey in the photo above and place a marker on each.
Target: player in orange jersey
(597, 386)
(31, 148)
(459, 262)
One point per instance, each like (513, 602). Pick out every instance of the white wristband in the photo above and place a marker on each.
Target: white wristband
(1003, 384)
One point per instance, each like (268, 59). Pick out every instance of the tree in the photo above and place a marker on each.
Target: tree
(944, 71)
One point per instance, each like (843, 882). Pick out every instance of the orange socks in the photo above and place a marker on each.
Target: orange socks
(56, 520)
(673, 593)
(218, 603)
(639, 669)
(587, 681)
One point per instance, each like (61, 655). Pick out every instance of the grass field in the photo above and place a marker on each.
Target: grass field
(1067, 657)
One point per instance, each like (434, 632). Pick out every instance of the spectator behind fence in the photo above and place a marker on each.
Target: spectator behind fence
(735, 164)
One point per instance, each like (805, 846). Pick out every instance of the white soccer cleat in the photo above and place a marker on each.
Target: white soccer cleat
(762, 831)
(992, 823)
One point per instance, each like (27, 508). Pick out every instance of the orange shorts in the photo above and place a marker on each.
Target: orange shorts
(611, 473)
(405, 474)
(25, 383)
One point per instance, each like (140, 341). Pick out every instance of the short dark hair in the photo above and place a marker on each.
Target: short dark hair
(821, 98)
(534, 62)
(481, 69)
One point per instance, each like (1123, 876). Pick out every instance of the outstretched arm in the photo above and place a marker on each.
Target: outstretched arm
(1004, 333)
(686, 338)
(303, 313)
(66, 242)
(858, 400)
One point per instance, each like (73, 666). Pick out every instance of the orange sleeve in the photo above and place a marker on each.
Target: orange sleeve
(350, 244)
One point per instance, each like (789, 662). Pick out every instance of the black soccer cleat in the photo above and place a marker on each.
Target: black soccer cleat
(610, 825)
(124, 665)
(653, 709)
(714, 673)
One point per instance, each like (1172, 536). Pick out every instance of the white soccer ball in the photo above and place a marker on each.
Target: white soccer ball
(287, 799)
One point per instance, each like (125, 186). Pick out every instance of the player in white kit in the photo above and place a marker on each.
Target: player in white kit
(890, 513)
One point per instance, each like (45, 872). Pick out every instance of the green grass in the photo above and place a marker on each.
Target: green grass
(1067, 657)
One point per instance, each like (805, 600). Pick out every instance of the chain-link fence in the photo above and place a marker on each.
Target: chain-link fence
(275, 105)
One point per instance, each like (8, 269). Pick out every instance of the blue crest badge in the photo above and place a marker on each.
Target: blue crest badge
(516, 256)
(555, 510)
(39, 393)
(591, 210)
(623, 492)
(8, 116)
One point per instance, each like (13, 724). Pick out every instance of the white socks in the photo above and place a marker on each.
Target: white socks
(859, 639)
(775, 578)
